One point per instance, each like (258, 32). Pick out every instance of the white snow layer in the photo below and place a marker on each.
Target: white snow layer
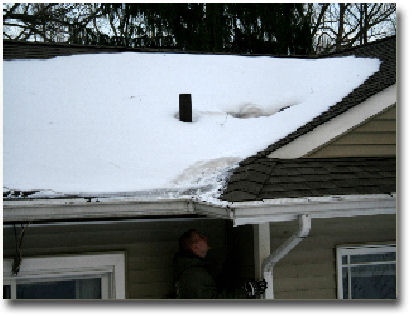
(107, 122)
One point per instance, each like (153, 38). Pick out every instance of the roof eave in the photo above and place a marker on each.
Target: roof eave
(283, 210)
(241, 213)
(50, 210)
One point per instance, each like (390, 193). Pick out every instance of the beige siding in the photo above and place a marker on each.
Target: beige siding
(309, 270)
(375, 137)
(149, 248)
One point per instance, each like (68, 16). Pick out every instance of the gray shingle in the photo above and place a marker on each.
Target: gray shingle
(343, 176)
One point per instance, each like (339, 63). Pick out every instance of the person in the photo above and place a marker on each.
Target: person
(193, 277)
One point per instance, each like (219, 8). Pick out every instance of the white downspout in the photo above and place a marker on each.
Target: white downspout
(269, 263)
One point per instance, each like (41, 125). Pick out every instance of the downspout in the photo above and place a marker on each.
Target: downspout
(269, 263)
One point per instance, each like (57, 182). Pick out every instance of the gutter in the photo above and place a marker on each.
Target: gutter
(289, 209)
(70, 210)
(242, 213)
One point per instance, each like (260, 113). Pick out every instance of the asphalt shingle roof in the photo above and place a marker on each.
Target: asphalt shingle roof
(270, 178)
(13, 49)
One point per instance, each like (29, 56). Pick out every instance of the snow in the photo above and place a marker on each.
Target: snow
(108, 122)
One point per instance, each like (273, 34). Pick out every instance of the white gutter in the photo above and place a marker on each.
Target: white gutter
(269, 263)
(32, 211)
(281, 210)
(242, 213)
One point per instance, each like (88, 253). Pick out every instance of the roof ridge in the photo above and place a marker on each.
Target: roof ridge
(93, 48)
(359, 47)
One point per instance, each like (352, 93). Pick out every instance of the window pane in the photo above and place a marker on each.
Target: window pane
(70, 289)
(6, 292)
(344, 259)
(89, 288)
(375, 257)
(345, 282)
(374, 281)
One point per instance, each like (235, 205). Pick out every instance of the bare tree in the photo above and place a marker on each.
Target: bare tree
(342, 25)
(49, 22)
(274, 28)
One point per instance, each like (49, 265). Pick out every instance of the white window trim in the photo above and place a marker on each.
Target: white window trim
(357, 250)
(67, 266)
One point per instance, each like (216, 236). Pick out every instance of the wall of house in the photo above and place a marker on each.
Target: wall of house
(374, 138)
(309, 270)
(149, 248)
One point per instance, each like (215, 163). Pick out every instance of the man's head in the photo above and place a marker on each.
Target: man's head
(194, 242)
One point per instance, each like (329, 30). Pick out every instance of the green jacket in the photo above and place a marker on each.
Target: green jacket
(193, 280)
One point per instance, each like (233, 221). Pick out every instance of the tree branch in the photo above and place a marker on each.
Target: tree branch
(319, 20)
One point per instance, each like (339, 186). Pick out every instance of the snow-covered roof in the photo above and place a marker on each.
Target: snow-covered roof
(108, 122)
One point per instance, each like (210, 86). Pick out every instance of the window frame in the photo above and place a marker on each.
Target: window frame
(363, 249)
(63, 267)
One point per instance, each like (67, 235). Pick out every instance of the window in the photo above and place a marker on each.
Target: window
(91, 276)
(366, 272)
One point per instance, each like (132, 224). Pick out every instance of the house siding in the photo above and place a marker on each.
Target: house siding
(149, 248)
(374, 138)
(309, 270)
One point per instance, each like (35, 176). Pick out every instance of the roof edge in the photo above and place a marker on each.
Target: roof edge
(241, 213)
(49, 210)
(283, 210)
(118, 49)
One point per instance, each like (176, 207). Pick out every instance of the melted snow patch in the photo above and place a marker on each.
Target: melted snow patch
(250, 110)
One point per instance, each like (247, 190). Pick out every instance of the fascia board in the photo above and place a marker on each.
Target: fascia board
(348, 206)
(337, 126)
(276, 210)
(19, 212)
(283, 210)
(243, 220)
(314, 206)
(212, 210)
